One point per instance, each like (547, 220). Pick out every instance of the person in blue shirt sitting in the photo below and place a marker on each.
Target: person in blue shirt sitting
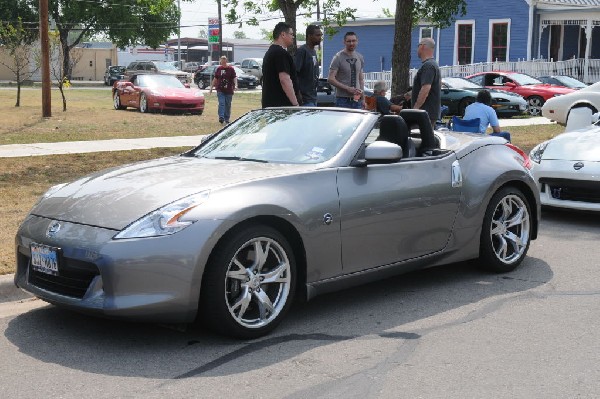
(487, 116)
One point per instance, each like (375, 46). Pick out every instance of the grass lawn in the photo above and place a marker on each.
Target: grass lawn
(90, 116)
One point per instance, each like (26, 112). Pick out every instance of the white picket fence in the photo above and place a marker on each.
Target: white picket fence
(587, 71)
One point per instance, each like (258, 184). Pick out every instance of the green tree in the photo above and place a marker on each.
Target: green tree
(441, 13)
(333, 14)
(19, 28)
(239, 34)
(16, 41)
(126, 22)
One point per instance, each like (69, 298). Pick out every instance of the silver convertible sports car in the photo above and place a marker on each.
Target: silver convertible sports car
(283, 203)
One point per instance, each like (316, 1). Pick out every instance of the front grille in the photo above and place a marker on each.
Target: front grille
(74, 277)
(180, 105)
(572, 190)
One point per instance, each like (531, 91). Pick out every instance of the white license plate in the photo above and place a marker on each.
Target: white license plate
(44, 259)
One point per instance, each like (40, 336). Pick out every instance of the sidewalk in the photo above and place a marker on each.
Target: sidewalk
(76, 147)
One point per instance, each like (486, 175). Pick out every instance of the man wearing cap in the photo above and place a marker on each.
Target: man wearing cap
(383, 105)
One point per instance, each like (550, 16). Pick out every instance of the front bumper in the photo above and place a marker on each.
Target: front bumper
(152, 279)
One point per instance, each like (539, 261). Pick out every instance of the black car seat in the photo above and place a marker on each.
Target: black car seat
(420, 118)
(393, 129)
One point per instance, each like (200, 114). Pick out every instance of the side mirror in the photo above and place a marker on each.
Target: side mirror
(128, 84)
(510, 84)
(186, 85)
(383, 152)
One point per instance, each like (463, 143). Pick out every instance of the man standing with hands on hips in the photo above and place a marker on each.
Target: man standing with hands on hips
(426, 89)
(279, 72)
(346, 74)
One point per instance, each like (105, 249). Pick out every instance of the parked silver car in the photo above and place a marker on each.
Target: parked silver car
(282, 201)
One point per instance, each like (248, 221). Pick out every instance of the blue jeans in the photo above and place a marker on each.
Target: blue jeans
(224, 106)
(345, 102)
(309, 104)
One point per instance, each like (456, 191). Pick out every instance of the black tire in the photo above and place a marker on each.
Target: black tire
(506, 231)
(243, 298)
(117, 101)
(464, 103)
(144, 103)
(534, 105)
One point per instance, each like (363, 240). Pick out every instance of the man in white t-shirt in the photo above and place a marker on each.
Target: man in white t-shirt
(487, 116)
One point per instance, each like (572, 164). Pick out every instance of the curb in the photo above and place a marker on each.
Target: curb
(9, 291)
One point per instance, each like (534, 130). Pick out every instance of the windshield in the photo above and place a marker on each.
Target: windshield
(570, 82)
(303, 136)
(523, 79)
(158, 81)
(165, 66)
(461, 83)
(117, 69)
(238, 71)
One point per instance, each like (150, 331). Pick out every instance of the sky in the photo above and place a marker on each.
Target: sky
(195, 16)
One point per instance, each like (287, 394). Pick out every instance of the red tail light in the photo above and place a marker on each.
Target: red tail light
(526, 162)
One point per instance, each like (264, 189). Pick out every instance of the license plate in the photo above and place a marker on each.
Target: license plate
(44, 259)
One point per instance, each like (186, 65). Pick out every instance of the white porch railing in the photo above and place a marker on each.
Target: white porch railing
(587, 71)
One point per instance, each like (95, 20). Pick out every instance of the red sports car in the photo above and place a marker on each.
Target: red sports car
(535, 92)
(157, 93)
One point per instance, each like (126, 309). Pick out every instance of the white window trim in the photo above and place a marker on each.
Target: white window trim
(491, 26)
(456, 24)
(426, 27)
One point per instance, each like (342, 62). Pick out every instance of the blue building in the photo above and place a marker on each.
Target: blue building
(507, 30)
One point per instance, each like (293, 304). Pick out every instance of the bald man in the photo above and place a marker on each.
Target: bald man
(426, 91)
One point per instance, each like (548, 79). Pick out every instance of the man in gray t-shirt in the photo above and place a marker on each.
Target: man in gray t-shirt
(307, 66)
(346, 74)
(426, 90)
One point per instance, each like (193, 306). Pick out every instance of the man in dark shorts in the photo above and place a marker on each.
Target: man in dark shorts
(279, 72)
(426, 89)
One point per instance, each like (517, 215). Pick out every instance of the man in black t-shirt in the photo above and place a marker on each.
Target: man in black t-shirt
(280, 85)
(426, 91)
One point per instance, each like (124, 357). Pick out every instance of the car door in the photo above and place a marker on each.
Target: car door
(394, 212)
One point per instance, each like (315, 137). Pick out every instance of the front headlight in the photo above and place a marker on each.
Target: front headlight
(538, 151)
(164, 221)
(557, 95)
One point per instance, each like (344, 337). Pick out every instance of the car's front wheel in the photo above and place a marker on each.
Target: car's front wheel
(249, 283)
(117, 101)
(534, 105)
(143, 103)
(506, 231)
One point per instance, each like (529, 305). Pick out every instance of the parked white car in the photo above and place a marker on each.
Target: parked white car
(558, 108)
(567, 169)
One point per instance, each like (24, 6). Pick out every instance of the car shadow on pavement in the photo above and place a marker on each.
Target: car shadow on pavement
(380, 310)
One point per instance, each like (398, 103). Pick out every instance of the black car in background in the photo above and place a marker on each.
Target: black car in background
(204, 77)
(114, 73)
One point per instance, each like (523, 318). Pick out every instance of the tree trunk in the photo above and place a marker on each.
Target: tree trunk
(289, 8)
(66, 54)
(402, 49)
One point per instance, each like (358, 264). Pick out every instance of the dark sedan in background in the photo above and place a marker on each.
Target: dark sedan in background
(458, 93)
(114, 73)
(204, 78)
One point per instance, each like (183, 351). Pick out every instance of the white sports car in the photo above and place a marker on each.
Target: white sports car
(558, 108)
(567, 169)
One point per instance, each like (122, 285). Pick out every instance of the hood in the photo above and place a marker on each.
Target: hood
(578, 145)
(176, 91)
(116, 197)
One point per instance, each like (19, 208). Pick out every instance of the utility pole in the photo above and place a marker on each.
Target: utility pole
(179, 37)
(220, 30)
(45, 43)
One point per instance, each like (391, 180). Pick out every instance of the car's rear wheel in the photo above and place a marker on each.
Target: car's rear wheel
(534, 105)
(117, 101)
(506, 231)
(249, 283)
(143, 103)
(464, 103)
